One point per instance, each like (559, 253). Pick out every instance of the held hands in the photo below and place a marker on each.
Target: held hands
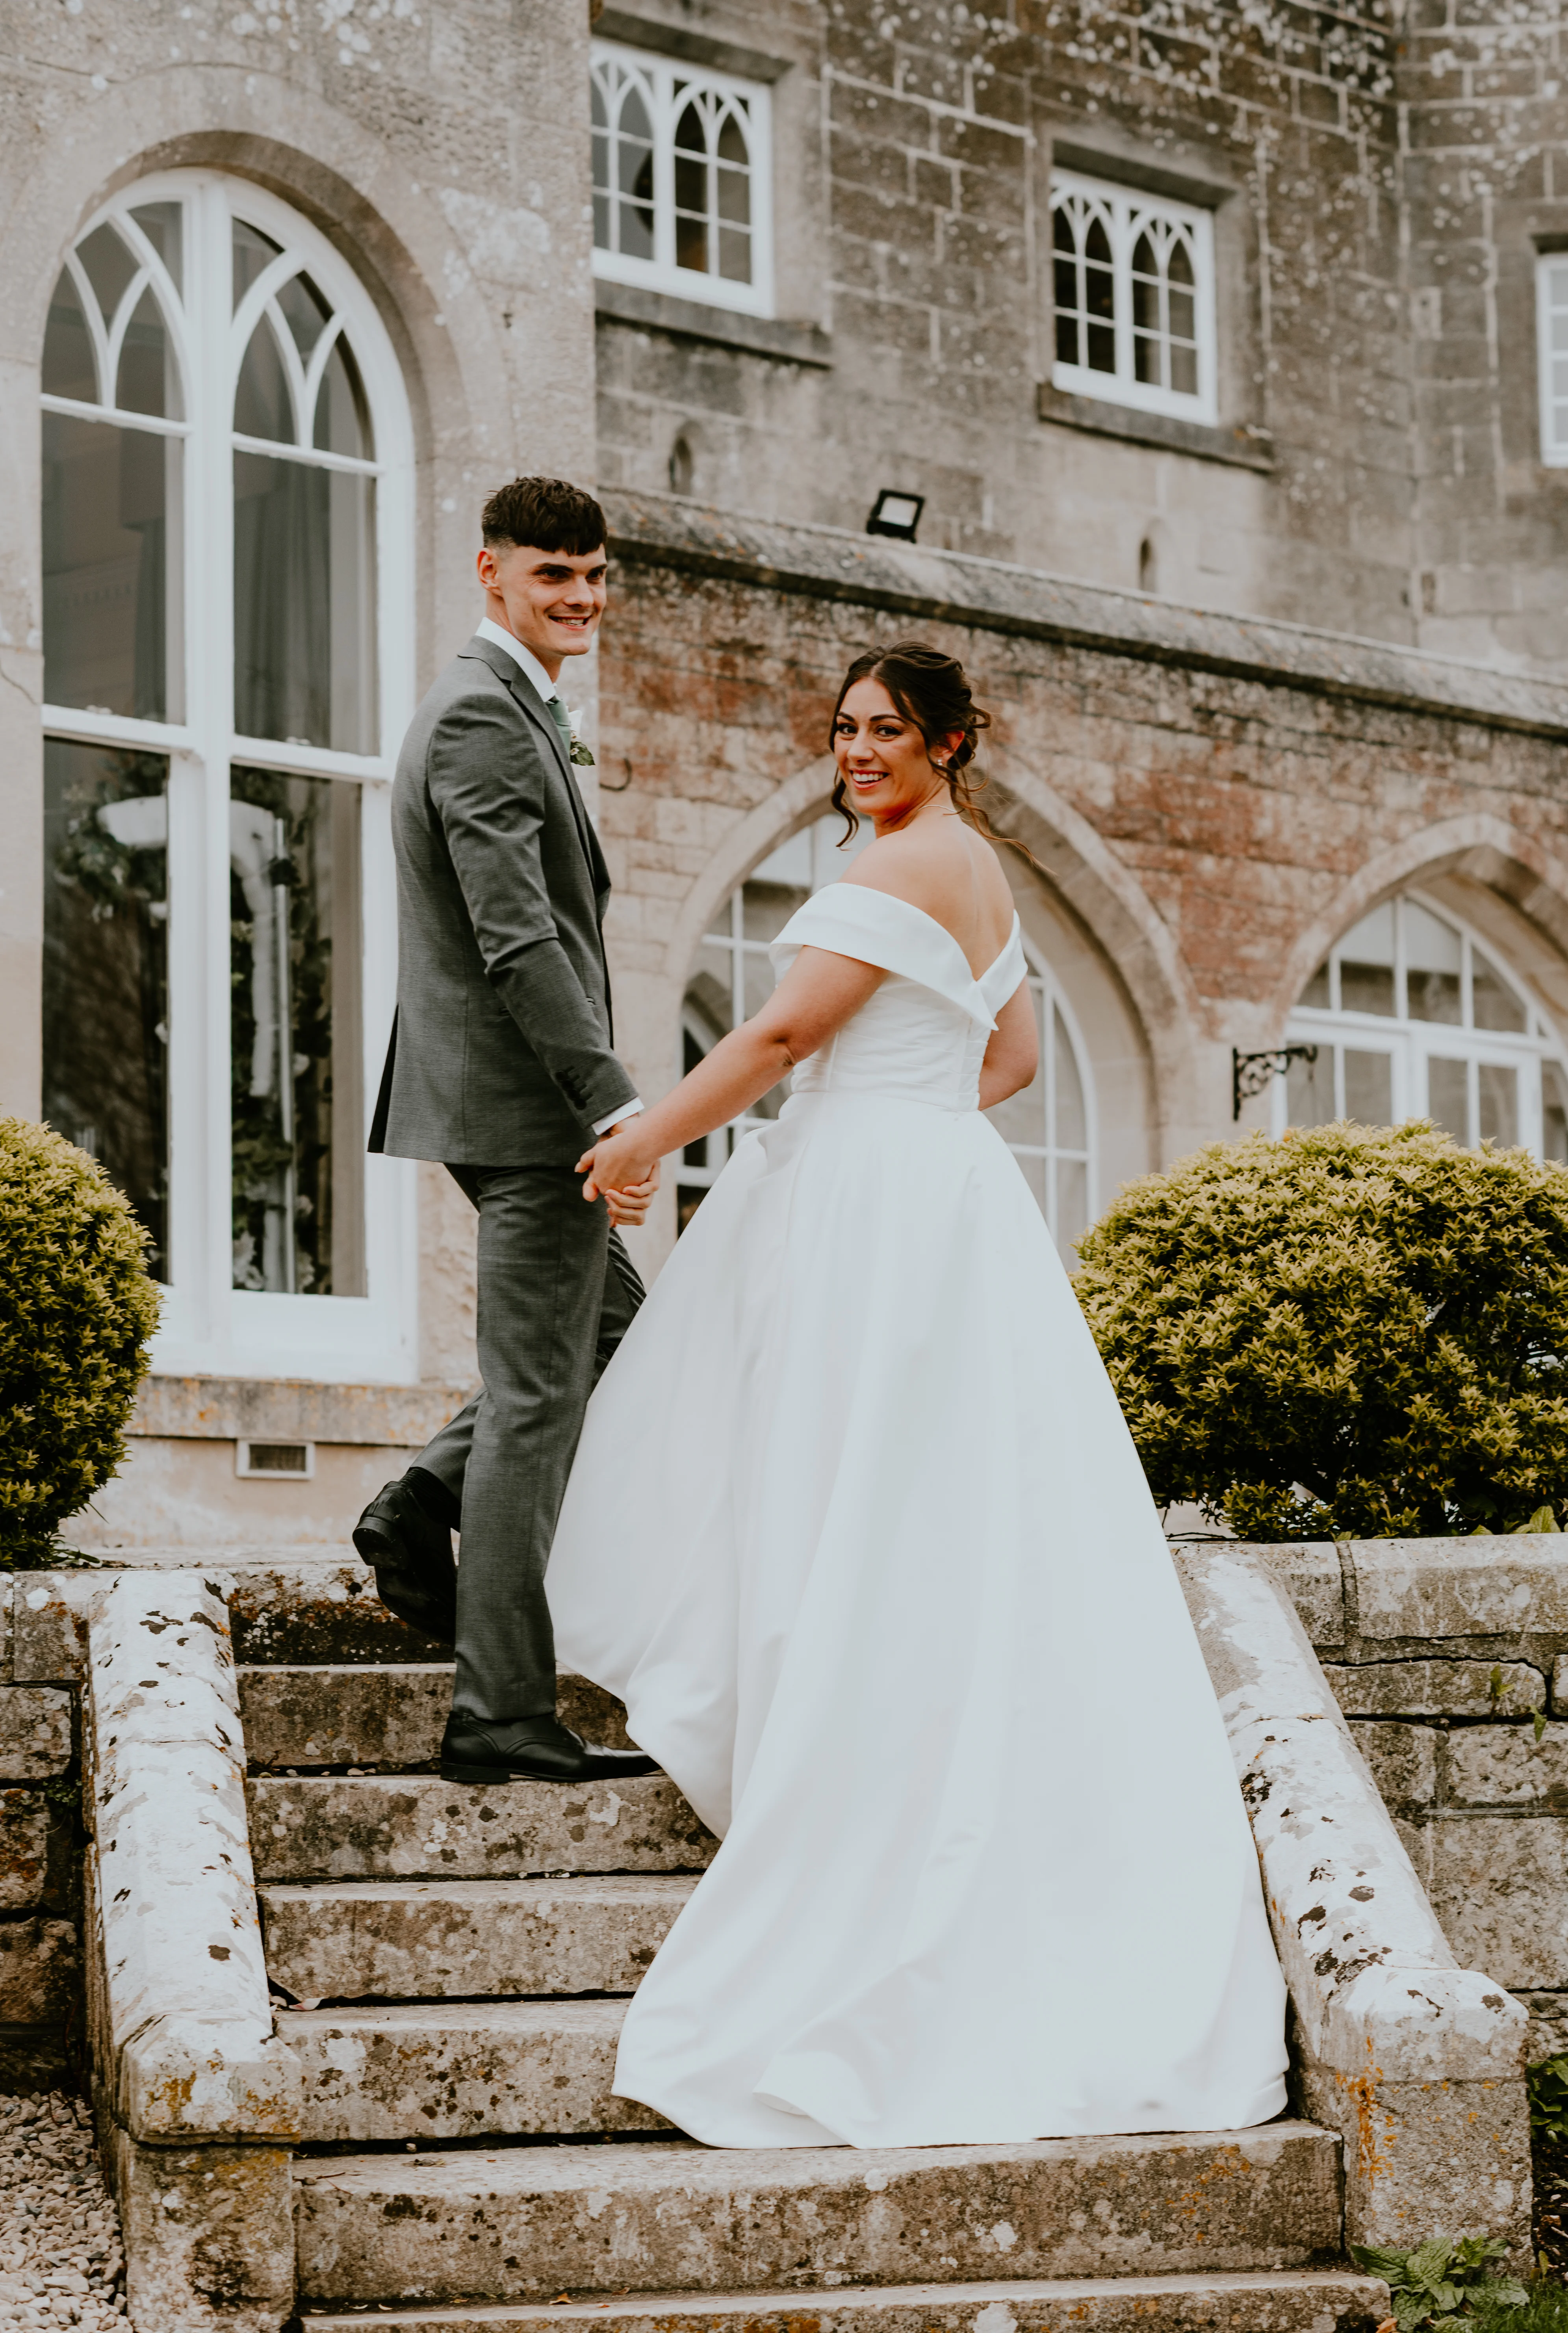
(624, 1169)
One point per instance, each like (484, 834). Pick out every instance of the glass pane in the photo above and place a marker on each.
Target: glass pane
(163, 224)
(1071, 1131)
(1372, 941)
(1072, 1207)
(70, 369)
(297, 1087)
(1316, 989)
(254, 251)
(766, 907)
(1493, 1003)
(1497, 1103)
(342, 415)
(109, 263)
(304, 604)
(1097, 243)
(1366, 987)
(735, 254)
(732, 143)
(1368, 1088)
(1448, 1098)
(1432, 963)
(1062, 235)
(1178, 264)
(148, 376)
(1553, 1113)
(690, 137)
(757, 972)
(262, 405)
(106, 968)
(1309, 1090)
(305, 313)
(112, 618)
(1184, 370)
(1067, 337)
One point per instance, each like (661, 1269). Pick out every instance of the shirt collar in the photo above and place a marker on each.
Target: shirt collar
(530, 665)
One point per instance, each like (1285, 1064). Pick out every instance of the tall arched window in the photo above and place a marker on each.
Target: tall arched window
(1412, 1016)
(227, 654)
(1050, 1127)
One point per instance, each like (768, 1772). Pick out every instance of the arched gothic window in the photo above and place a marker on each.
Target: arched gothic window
(1133, 280)
(1050, 1127)
(227, 651)
(1413, 1017)
(680, 180)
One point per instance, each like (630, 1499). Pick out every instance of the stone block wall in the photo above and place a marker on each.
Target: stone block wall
(40, 1873)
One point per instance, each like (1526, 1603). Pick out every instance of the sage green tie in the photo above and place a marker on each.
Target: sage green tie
(558, 714)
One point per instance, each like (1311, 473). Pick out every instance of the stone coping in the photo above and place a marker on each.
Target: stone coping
(292, 1409)
(958, 588)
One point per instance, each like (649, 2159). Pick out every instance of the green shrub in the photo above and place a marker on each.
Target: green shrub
(1346, 1333)
(1451, 2280)
(76, 1311)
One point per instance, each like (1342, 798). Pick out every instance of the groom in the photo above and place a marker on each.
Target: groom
(500, 1066)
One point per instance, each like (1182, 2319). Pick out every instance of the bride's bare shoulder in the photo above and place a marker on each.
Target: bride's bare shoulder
(933, 869)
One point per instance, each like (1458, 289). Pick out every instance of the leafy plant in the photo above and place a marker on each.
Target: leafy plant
(1351, 1332)
(1548, 2086)
(76, 1311)
(1437, 2283)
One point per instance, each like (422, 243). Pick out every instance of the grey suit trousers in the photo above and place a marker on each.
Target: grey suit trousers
(557, 1293)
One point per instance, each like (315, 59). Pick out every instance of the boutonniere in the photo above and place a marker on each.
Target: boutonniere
(579, 751)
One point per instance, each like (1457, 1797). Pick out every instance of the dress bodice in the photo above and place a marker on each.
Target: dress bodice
(923, 1035)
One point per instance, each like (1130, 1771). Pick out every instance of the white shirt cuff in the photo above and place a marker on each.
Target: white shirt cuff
(627, 1109)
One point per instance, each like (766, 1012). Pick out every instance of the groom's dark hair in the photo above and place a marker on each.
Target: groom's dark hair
(547, 514)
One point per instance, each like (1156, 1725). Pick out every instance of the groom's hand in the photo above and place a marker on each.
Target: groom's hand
(622, 1167)
(627, 1209)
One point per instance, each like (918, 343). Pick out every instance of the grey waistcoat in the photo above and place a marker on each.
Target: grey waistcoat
(501, 1051)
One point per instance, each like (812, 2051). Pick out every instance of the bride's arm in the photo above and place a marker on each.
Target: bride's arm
(819, 993)
(1013, 1055)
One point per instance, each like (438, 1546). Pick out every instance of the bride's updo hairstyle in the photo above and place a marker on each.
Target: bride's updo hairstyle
(931, 690)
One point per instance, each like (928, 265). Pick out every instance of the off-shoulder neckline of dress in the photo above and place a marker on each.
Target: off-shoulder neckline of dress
(866, 892)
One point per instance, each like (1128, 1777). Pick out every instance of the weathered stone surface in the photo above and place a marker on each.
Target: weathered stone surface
(1438, 1587)
(190, 2028)
(1437, 1688)
(382, 1714)
(49, 1617)
(1310, 1570)
(40, 1971)
(380, 1828)
(1303, 2301)
(433, 2072)
(309, 1611)
(24, 1850)
(526, 2223)
(1560, 1686)
(1548, 2024)
(415, 1940)
(208, 2236)
(1504, 1765)
(35, 1731)
(1500, 1888)
(1402, 1757)
(1425, 2156)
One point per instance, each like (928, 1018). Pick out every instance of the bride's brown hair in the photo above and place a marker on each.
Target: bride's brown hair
(933, 691)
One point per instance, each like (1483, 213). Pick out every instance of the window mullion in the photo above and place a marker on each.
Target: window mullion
(663, 112)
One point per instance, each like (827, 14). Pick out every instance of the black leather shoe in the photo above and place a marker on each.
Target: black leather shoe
(416, 1577)
(531, 1750)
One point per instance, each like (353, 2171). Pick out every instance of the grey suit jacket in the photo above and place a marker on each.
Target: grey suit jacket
(501, 1051)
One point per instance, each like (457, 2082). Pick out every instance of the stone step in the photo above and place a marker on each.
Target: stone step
(463, 2069)
(466, 1939)
(390, 1716)
(417, 1826)
(527, 2222)
(1300, 2300)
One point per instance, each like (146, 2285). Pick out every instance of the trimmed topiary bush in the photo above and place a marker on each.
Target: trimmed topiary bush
(77, 1308)
(1351, 1332)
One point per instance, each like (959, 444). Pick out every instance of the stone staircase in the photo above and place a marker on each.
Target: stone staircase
(456, 1963)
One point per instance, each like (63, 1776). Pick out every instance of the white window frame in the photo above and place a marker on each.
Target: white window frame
(1411, 1043)
(1126, 213)
(667, 85)
(827, 864)
(1552, 355)
(207, 1326)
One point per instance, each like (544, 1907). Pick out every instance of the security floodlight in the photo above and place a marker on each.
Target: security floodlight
(895, 515)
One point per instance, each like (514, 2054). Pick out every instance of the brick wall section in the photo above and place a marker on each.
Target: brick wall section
(40, 1874)
(1405, 501)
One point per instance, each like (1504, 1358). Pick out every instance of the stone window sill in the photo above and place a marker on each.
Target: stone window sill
(724, 328)
(1245, 446)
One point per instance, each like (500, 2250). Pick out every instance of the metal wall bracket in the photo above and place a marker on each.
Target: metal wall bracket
(1250, 1072)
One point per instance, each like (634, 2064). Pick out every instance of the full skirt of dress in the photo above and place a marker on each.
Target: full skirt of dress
(859, 1533)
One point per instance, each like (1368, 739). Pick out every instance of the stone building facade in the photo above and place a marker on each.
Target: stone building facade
(1219, 354)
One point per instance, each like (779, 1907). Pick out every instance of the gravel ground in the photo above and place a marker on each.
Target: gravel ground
(60, 2263)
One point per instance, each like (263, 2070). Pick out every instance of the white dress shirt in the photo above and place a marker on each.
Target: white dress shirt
(534, 672)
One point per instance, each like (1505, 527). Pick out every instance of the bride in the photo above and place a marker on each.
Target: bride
(858, 1534)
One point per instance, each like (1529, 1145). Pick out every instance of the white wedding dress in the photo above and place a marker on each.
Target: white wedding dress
(859, 1533)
